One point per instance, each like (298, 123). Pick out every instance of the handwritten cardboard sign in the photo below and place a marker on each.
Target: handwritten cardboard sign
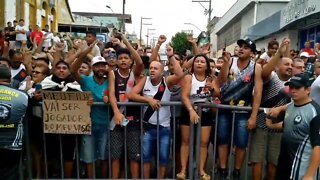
(66, 112)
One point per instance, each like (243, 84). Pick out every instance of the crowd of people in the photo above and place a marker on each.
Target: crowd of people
(282, 80)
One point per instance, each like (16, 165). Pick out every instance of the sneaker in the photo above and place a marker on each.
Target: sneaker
(236, 174)
(223, 174)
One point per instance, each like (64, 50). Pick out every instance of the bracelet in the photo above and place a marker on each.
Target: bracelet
(158, 44)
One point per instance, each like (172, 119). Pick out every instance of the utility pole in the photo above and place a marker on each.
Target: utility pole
(141, 23)
(206, 12)
(123, 19)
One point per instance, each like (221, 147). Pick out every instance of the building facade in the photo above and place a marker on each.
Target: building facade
(237, 21)
(299, 20)
(36, 12)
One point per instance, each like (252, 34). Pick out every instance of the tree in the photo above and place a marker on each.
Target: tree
(180, 43)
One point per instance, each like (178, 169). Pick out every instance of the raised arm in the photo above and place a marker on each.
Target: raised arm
(77, 63)
(139, 68)
(271, 65)
(223, 75)
(155, 51)
(177, 70)
(195, 48)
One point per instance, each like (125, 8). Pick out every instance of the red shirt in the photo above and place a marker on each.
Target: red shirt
(308, 50)
(38, 35)
(1, 44)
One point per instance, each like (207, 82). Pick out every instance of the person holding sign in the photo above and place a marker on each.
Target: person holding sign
(13, 106)
(121, 82)
(61, 80)
(156, 88)
(94, 145)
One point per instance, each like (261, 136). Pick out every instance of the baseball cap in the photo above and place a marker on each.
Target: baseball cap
(304, 54)
(5, 72)
(300, 80)
(249, 43)
(98, 59)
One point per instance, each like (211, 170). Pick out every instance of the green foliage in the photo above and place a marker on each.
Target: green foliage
(180, 43)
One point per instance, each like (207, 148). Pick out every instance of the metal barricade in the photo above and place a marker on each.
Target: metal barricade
(194, 153)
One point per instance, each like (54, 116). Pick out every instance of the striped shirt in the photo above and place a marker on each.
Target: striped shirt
(300, 136)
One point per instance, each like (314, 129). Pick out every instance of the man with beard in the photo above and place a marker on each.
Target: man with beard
(274, 94)
(239, 79)
(121, 82)
(155, 89)
(61, 80)
(94, 145)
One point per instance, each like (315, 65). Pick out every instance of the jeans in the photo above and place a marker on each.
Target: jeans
(241, 133)
(149, 143)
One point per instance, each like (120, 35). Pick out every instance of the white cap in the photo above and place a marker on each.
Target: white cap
(98, 59)
(304, 54)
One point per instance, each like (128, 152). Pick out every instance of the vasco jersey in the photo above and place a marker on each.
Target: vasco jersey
(239, 86)
(300, 135)
(123, 86)
(150, 91)
(13, 106)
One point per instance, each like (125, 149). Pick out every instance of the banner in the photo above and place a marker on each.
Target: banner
(66, 112)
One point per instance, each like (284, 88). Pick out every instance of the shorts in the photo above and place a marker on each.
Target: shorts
(241, 134)
(94, 146)
(150, 141)
(10, 164)
(265, 143)
(117, 138)
(35, 131)
(68, 144)
(206, 117)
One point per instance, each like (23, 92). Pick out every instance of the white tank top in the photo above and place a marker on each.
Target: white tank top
(198, 92)
(150, 90)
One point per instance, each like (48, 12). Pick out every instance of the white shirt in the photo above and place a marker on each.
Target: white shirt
(265, 56)
(21, 37)
(95, 50)
(315, 90)
(47, 42)
(150, 90)
(56, 39)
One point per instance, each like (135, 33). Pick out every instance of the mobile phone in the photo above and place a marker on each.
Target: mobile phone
(38, 87)
(125, 122)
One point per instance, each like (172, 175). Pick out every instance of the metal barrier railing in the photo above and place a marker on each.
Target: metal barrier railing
(194, 153)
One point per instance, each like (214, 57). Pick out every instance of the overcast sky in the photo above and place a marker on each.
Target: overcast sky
(168, 16)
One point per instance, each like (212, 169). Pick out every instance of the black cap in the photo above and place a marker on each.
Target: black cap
(249, 43)
(300, 80)
(5, 72)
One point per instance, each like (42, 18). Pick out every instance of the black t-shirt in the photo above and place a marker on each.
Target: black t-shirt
(9, 37)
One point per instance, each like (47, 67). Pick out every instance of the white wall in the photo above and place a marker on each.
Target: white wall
(267, 9)
(26, 14)
(292, 34)
(247, 21)
(10, 10)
